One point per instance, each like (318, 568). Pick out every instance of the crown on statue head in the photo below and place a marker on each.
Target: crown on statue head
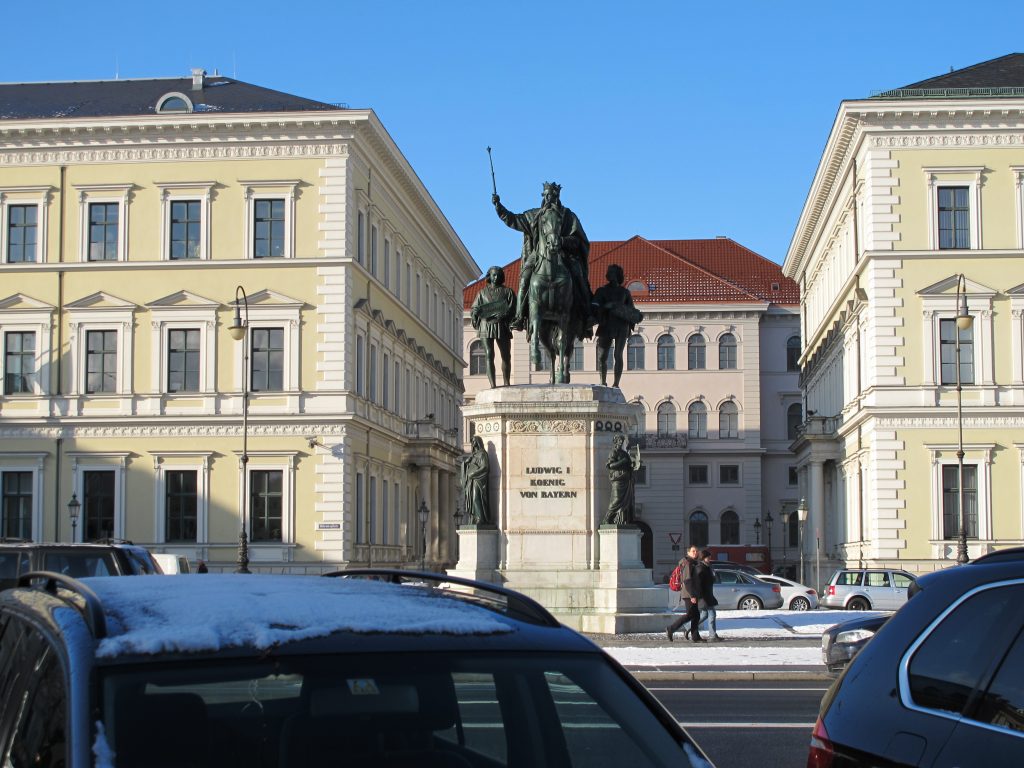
(552, 186)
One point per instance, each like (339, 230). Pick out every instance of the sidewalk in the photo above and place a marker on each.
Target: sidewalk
(756, 645)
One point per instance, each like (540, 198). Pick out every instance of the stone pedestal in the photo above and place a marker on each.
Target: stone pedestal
(478, 553)
(548, 448)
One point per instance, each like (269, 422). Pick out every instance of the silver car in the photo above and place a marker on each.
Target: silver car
(866, 589)
(741, 591)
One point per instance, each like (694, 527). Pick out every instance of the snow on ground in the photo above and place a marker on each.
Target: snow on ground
(754, 639)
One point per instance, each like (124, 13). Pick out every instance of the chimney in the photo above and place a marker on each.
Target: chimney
(198, 79)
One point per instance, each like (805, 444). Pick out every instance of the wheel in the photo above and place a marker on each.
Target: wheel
(800, 604)
(750, 603)
(858, 604)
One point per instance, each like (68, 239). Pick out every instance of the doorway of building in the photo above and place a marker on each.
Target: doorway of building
(646, 544)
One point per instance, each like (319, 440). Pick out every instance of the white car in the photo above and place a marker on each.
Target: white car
(795, 596)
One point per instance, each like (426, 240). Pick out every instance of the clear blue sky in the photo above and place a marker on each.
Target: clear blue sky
(670, 120)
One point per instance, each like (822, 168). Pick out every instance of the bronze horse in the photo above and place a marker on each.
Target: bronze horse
(554, 321)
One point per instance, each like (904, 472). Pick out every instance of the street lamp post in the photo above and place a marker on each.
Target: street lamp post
(424, 514)
(768, 530)
(963, 323)
(239, 330)
(757, 532)
(74, 508)
(801, 515)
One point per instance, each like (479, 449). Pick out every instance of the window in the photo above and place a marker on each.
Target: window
(173, 103)
(543, 361)
(698, 418)
(360, 514)
(361, 238)
(104, 228)
(794, 420)
(1003, 702)
(22, 232)
(951, 500)
(477, 359)
(385, 370)
(792, 478)
(387, 266)
(576, 360)
(266, 504)
(956, 656)
(398, 274)
(698, 529)
(181, 506)
(360, 366)
(793, 531)
(385, 518)
(727, 352)
(698, 474)
(268, 228)
(876, 579)
(100, 361)
(373, 250)
(728, 421)
(372, 495)
(98, 504)
(793, 353)
(730, 527)
(267, 360)
(954, 210)
(183, 360)
(666, 419)
(947, 352)
(19, 362)
(185, 230)
(729, 474)
(635, 353)
(269, 218)
(371, 370)
(696, 353)
(666, 353)
(16, 506)
(396, 510)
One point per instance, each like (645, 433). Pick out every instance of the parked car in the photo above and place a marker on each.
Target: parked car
(384, 668)
(109, 558)
(795, 596)
(731, 566)
(940, 682)
(735, 590)
(865, 589)
(842, 641)
(172, 564)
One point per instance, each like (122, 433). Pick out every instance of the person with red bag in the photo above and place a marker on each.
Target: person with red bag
(688, 596)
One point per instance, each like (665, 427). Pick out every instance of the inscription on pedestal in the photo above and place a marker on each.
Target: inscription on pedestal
(548, 477)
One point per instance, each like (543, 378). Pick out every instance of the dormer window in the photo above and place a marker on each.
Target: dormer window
(173, 102)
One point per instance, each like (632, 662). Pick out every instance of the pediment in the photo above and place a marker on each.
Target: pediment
(269, 298)
(947, 287)
(101, 300)
(184, 300)
(19, 301)
(1016, 291)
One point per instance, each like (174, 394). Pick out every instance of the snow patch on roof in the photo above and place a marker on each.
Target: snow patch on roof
(207, 612)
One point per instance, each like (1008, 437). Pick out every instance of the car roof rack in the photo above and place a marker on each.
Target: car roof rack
(92, 607)
(512, 604)
(109, 540)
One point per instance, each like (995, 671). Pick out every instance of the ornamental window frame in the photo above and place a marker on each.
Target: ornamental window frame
(22, 314)
(90, 194)
(975, 454)
(938, 302)
(182, 311)
(969, 176)
(113, 461)
(32, 462)
(273, 461)
(269, 309)
(82, 318)
(180, 192)
(40, 197)
(1018, 187)
(255, 190)
(181, 461)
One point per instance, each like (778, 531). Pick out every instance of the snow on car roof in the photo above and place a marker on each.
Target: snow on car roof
(206, 612)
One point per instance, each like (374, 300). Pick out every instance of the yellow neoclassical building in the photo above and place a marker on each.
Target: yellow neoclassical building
(918, 200)
(144, 221)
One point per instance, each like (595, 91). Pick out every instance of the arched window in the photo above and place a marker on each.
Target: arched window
(173, 102)
(793, 353)
(698, 413)
(477, 359)
(696, 353)
(698, 529)
(730, 527)
(576, 361)
(727, 352)
(666, 419)
(635, 353)
(793, 534)
(728, 421)
(794, 418)
(666, 353)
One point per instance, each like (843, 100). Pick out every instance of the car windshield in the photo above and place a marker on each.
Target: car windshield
(436, 709)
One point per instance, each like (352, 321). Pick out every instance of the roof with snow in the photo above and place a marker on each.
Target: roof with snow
(123, 98)
(715, 271)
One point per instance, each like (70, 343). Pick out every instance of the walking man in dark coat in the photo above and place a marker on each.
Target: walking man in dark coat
(689, 596)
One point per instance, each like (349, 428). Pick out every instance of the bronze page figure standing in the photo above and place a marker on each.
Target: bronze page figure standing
(491, 314)
(616, 318)
(621, 469)
(476, 483)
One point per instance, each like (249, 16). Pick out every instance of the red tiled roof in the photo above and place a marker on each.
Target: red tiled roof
(680, 271)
